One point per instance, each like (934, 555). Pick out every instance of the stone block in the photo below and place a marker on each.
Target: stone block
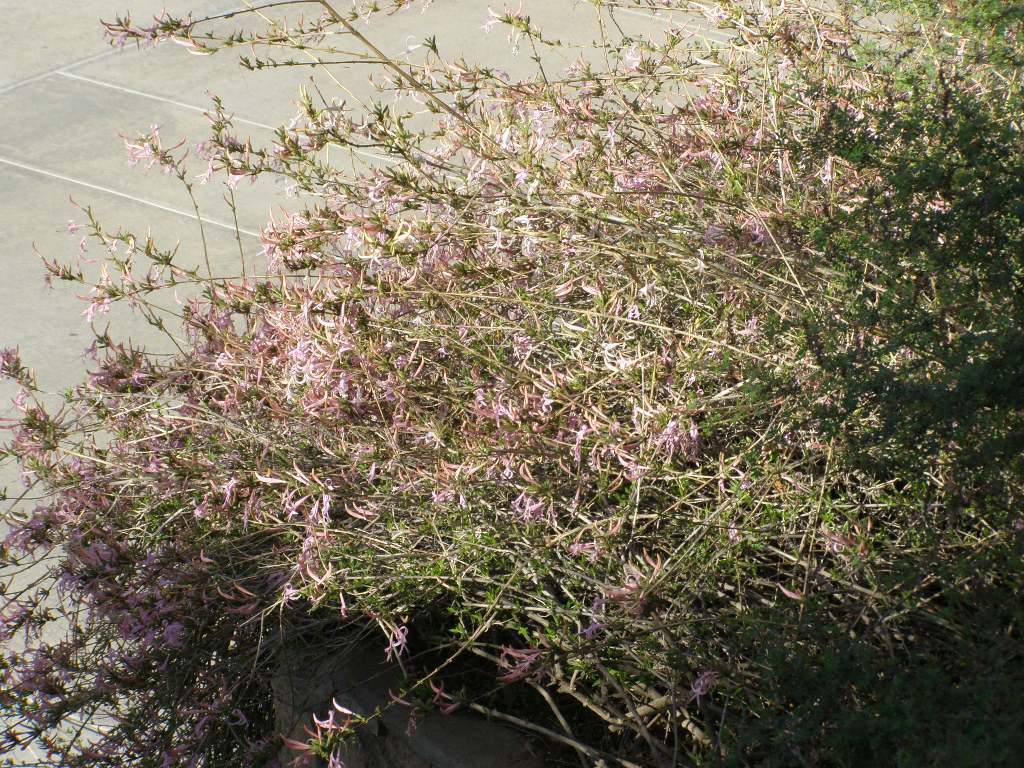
(359, 679)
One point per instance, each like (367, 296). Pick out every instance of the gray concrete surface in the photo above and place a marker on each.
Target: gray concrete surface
(66, 96)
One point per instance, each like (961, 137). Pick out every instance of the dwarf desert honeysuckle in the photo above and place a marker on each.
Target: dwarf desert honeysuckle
(481, 372)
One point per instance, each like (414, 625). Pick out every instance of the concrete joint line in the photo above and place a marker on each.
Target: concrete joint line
(154, 97)
(63, 67)
(192, 107)
(124, 195)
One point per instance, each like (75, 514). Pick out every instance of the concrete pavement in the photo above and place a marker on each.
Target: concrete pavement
(65, 96)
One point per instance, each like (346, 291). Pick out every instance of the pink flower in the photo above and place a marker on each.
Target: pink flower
(11, 617)
(577, 447)
(398, 643)
(632, 59)
(522, 346)
(412, 723)
(442, 700)
(330, 723)
(519, 663)
(673, 439)
(493, 21)
(529, 509)
(590, 550)
(174, 634)
(836, 542)
(702, 685)
(10, 362)
(791, 593)
(591, 631)
(98, 306)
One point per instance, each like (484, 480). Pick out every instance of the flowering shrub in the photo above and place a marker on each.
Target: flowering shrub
(531, 395)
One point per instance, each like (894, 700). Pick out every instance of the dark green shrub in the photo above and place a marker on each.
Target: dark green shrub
(922, 353)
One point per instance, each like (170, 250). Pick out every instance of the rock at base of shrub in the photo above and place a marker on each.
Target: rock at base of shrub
(357, 679)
